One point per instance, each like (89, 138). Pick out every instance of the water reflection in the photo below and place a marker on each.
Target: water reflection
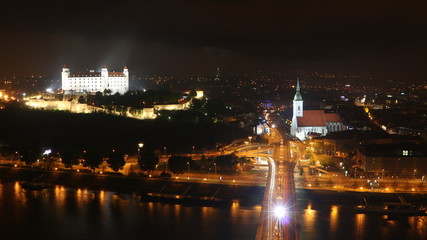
(309, 215)
(420, 223)
(60, 195)
(20, 197)
(63, 213)
(235, 206)
(333, 218)
(360, 224)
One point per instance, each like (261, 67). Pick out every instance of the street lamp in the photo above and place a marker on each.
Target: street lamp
(215, 167)
(246, 143)
(193, 149)
(415, 173)
(140, 145)
(250, 139)
(188, 165)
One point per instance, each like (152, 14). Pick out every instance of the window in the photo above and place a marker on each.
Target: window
(405, 152)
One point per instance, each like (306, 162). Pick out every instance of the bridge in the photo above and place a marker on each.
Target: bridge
(278, 220)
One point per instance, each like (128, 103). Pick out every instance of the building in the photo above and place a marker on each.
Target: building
(91, 81)
(312, 122)
(407, 160)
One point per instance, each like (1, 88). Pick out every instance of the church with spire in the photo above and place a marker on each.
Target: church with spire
(306, 123)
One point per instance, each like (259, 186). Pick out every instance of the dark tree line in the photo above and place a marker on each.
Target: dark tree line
(134, 98)
(32, 131)
(223, 164)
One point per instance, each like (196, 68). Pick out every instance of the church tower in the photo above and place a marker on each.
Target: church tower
(297, 109)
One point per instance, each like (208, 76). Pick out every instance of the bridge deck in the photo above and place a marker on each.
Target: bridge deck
(278, 217)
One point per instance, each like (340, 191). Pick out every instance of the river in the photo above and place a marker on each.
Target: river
(67, 213)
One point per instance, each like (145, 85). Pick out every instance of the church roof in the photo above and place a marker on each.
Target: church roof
(332, 117)
(312, 118)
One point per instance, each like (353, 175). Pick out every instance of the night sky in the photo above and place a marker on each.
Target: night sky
(384, 38)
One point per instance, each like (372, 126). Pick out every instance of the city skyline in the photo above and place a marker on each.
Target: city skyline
(194, 37)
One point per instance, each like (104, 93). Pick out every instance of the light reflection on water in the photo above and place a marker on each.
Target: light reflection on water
(80, 213)
(333, 218)
(360, 220)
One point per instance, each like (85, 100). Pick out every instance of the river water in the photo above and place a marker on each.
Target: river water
(64, 213)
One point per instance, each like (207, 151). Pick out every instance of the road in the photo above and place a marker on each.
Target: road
(278, 218)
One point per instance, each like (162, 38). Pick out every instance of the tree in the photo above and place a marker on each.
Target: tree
(107, 91)
(178, 164)
(197, 105)
(326, 161)
(149, 158)
(192, 93)
(69, 158)
(81, 100)
(93, 158)
(232, 163)
(116, 159)
(29, 155)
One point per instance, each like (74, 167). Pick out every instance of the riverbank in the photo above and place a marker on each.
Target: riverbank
(133, 184)
(243, 193)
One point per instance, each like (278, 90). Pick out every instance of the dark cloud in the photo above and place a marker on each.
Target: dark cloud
(195, 36)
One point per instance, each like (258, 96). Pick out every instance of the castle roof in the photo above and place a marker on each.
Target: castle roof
(85, 74)
(116, 74)
(96, 74)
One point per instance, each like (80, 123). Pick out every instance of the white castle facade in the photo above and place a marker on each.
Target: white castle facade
(91, 81)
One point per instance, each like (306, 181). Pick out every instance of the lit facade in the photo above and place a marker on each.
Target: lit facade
(312, 122)
(91, 81)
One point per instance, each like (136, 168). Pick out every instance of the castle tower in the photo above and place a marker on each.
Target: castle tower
(104, 71)
(64, 81)
(126, 71)
(104, 77)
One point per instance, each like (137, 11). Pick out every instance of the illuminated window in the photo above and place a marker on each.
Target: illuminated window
(405, 152)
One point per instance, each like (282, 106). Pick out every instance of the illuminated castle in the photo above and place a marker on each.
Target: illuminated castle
(91, 81)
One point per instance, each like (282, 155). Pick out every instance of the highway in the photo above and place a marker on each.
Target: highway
(278, 218)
